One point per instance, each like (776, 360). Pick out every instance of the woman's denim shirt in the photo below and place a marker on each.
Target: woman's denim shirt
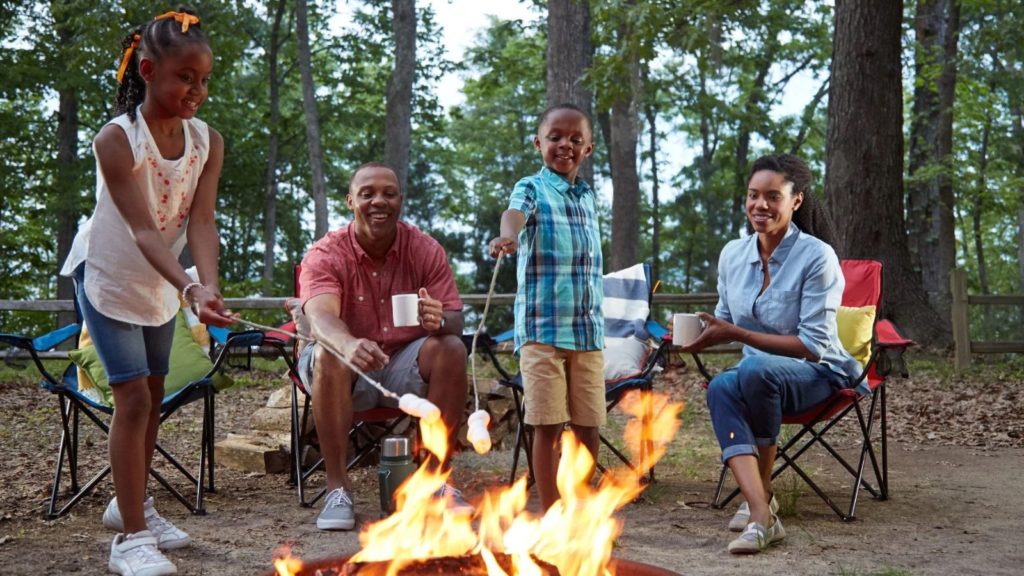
(803, 297)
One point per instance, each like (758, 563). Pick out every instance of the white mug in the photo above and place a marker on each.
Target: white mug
(405, 309)
(685, 328)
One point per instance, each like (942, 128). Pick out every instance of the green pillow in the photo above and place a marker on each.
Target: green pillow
(187, 364)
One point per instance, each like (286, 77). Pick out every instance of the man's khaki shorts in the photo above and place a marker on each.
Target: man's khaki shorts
(562, 385)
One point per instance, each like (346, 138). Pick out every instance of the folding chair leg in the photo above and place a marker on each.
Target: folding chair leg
(717, 503)
(524, 441)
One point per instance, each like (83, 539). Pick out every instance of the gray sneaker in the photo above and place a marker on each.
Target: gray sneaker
(456, 502)
(756, 537)
(338, 512)
(742, 517)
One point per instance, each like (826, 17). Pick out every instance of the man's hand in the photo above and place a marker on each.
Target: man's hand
(431, 312)
(503, 245)
(365, 354)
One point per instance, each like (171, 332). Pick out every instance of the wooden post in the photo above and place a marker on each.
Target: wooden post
(961, 325)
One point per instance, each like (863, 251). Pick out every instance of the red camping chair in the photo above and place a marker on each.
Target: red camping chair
(863, 288)
(368, 426)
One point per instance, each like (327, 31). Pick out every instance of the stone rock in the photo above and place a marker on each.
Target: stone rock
(252, 453)
(281, 398)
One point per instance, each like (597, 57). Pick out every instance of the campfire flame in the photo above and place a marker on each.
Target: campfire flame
(422, 527)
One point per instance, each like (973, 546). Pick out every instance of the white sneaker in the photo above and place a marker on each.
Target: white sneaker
(742, 517)
(168, 536)
(138, 556)
(756, 537)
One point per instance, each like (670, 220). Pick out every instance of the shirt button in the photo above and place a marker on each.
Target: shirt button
(360, 298)
(381, 300)
(385, 329)
(374, 273)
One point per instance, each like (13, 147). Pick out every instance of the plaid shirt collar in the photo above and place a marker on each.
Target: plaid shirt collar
(559, 183)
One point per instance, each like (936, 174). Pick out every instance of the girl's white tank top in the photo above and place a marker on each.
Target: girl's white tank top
(119, 281)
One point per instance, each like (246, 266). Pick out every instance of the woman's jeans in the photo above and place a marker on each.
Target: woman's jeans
(747, 402)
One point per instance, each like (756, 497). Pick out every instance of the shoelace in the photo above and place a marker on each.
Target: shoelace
(337, 497)
(158, 524)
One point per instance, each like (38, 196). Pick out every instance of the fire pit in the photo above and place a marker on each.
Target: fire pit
(424, 538)
(446, 566)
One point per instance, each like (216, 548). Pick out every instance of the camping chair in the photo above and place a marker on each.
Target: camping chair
(875, 341)
(74, 401)
(368, 426)
(635, 353)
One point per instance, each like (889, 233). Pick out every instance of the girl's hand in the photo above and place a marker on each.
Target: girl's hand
(210, 308)
(503, 244)
(716, 331)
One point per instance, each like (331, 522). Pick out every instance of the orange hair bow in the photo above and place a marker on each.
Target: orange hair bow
(185, 18)
(127, 56)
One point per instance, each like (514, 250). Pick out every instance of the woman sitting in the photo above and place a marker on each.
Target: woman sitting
(778, 292)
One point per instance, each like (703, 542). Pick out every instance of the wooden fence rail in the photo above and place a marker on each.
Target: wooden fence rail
(964, 346)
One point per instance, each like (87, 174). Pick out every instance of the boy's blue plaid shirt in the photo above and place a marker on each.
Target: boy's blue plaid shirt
(560, 291)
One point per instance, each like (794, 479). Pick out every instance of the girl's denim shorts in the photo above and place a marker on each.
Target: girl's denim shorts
(127, 351)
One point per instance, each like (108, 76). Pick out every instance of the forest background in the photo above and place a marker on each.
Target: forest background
(913, 125)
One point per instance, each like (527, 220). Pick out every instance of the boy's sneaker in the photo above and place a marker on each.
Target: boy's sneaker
(742, 517)
(338, 512)
(756, 537)
(168, 536)
(456, 502)
(138, 556)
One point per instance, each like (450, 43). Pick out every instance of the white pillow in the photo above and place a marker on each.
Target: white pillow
(623, 357)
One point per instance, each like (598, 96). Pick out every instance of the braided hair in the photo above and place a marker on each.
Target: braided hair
(151, 40)
(811, 218)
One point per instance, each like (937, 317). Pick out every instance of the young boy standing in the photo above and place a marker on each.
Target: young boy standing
(559, 325)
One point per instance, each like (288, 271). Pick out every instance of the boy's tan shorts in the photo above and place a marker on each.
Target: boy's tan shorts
(562, 385)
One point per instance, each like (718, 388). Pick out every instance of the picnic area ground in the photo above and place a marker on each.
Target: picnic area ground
(956, 459)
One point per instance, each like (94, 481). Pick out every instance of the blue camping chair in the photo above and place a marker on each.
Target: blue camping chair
(634, 342)
(73, 404)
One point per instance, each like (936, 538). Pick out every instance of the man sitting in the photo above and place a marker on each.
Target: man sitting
(348, 278)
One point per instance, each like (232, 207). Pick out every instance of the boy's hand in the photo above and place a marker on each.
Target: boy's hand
(503, 245)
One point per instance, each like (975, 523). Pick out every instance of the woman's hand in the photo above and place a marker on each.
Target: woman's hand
(716, 331)
(210, 309)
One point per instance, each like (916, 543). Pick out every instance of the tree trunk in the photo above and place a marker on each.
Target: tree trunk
(270, 179)
(316, 155)
(651, 113)
(398, 130)
(979, 205)
(864, 158)
(68, 190)
(569, 57)
(930, 223)
(625, 179)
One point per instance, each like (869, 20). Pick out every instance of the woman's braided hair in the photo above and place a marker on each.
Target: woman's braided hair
(155, 39)
(811, 218)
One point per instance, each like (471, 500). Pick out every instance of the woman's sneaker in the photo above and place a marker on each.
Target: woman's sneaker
(138, 555)
(168, 536)
(338, 513)
(756, 538)
(742, 517)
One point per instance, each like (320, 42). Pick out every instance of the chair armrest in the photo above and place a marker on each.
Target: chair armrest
(887, 336)
(42, 343)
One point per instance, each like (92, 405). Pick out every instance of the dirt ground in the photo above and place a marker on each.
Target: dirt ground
(955, 469)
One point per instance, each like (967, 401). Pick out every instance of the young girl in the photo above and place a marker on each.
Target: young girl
(156, 187)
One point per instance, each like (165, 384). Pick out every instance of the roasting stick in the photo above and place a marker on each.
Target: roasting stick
(477, 433)
(409, 403)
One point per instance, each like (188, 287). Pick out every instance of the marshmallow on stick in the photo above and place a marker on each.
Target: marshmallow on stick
(477, 433)
(421, 408)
